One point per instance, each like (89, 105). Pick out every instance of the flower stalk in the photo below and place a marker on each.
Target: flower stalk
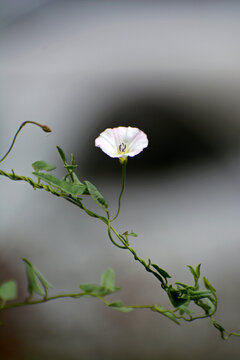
(124, 167)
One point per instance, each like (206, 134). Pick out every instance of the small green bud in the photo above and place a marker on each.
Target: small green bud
(46, 128)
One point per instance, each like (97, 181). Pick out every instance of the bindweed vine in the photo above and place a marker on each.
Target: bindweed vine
(118, 143)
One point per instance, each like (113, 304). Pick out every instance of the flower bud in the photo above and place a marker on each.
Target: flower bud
(46, 128)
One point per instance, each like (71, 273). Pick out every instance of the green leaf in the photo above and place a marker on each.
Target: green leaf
(118, 305)
(175, 297)
(108, 280)
(50, 179)
(33, 281)
(42, 165)
(133, 234)
(36, 281)
(130, 234)
(199, 294)
(73, 162)
(8, 290)
(62, 155)
(185, 286)
(210, 305)
(65, 186)
(97, 197)
(167, 313)
(184, 309)
(45, 283)
(76, 179)
(161, 271)
(192, 271)
(219, 327)
(198, 270)
(208, 285)
(195, 273)
(93, 289)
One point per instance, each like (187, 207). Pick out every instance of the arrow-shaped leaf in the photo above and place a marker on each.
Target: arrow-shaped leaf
(37, 283)
(8, 290)
(118, 305)
(161, 271)
(96, 195)
(42, 165)
(65, 186)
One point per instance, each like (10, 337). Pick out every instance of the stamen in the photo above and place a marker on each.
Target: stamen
(122, 147)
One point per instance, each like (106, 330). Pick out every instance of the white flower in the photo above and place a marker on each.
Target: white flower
(122, 142)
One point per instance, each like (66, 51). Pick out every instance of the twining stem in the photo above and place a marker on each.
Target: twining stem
(137, 258)
(111, 238)
(44, 128)
(78, 295)
(78, 203)
(107, 220)
(124, 165)
(153, 308)
(43, 300)
(125, 245)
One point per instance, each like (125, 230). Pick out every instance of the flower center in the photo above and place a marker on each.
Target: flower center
(122, 147)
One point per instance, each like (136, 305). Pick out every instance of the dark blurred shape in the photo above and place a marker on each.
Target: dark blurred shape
(12, 344)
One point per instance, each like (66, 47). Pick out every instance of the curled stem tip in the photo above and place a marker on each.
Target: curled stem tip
(44, 128)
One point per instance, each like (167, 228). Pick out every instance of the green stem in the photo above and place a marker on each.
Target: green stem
(124, 165)
(230, 334)
(44, 128)
(125, 245)
(136, 257)
(78, 203)
(45, 299)
(111, 238)
(36, 185)
(78, 295)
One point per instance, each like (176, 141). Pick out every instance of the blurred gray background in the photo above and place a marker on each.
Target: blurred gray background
(173, 70)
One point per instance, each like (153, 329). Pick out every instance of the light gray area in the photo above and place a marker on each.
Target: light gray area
(65, 65)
